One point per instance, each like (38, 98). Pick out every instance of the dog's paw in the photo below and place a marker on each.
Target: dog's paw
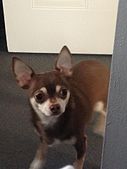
(36, 164)
(68, 167)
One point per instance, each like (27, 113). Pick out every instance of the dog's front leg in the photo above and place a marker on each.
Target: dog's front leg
(80, 147)
(39, 159)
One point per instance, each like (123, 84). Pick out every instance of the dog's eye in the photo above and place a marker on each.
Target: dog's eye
(40, 97)
(63, 93)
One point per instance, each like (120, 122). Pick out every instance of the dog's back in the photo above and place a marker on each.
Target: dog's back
(93, 79)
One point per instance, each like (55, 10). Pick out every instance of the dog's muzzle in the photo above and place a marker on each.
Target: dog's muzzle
(55, 109)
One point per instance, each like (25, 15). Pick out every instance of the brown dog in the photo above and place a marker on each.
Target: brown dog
(62, 102)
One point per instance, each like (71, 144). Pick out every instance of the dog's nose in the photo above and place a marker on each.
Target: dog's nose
(55, 109)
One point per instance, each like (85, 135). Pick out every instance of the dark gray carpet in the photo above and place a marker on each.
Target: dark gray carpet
(18, 142)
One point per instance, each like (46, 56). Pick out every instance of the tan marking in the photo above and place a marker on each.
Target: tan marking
(43, 89)
(99, 126)
(53, 100)
(58, 87)
(99, 107)
(68, 167)
(78, 164)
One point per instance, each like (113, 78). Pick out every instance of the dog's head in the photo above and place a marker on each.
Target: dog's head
(49, 92)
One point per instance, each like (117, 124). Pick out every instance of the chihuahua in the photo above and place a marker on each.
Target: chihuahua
(62, 102)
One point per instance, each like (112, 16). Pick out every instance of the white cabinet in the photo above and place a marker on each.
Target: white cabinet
(85, 26)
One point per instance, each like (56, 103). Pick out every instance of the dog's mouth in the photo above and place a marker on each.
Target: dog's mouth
(56, 114)
(52, 114)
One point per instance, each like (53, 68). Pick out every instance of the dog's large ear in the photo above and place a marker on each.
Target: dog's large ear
(22, 72)
(64, 61)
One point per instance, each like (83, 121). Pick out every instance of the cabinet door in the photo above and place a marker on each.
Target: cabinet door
(85, 26)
